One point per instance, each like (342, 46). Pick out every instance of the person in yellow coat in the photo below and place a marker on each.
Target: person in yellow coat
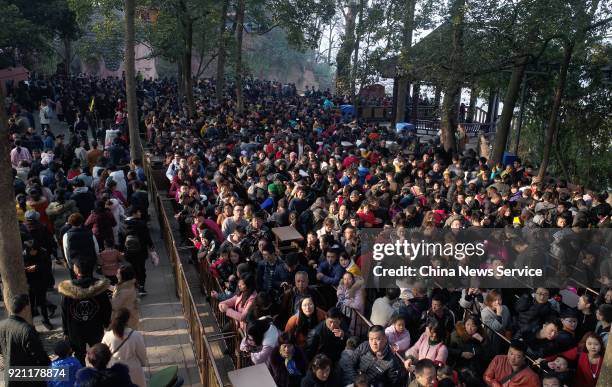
(22, 207)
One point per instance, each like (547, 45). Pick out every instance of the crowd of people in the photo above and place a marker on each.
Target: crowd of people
(289, 160)
(82, 206)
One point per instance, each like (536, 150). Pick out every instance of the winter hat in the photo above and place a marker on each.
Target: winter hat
(32, 215)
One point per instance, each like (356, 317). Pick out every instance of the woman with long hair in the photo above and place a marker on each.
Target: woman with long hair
(320, 373)
(466, 344)
(429, 346)
(307, 318)
(588, 357)
(238, 306)
(260, 339)
(125, 294)
(127, 346)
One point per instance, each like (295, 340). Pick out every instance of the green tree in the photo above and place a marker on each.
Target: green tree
(583, 19)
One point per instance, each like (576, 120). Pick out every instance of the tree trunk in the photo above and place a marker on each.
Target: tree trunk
(403, 64)
(343, 58)
(503, 125)
(448, 120)
(490, 106)
(68, 55)
(568, 48)
(130, 80)
(472, 108)
(220, 85)
(330, 43)
(605, 376)
(12, 270)
(519, 123)
(239, 34)
(180, 84)
(400, 102)
(452, 92)
(560, 158)
(437, 97)
(187, 76)
(355, 66)
(414, 108)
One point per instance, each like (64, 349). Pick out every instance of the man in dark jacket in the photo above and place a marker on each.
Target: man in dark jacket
(140, 198)
(79, 243)
(86, 308)
(533, 311)
(377, 361)
(328, 337)
(39, 232)
(134, 225)
(20, 344)
(441, 312)
(84, 198)
(413, 311)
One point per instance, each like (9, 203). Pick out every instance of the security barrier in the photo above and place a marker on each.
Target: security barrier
(207, 368)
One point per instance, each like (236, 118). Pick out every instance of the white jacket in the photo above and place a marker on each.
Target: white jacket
(132, 353)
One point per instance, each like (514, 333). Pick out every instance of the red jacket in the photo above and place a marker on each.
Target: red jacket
(586, 374)
(500, 367)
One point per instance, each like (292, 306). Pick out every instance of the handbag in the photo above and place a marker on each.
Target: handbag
(123, 342)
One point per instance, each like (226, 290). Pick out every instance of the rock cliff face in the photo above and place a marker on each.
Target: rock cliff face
(298, 73)
(146, 66)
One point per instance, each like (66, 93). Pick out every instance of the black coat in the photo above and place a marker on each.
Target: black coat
(310, 380)
(20, 345)
(80, 245)
(42, 276)
(322, 340)
(278, 369)
(115, 376)
(531, 314)
(539, 348)
(86, 309)
(461, 342)
(41, 234)
(387, 371)
(85, 201)
(138, 227)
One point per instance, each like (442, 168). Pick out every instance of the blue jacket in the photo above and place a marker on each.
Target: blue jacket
(332, 274)
(72, 365)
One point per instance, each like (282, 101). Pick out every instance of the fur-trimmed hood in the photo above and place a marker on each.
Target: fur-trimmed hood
(56, 208)
(462, 333)
(83, 288)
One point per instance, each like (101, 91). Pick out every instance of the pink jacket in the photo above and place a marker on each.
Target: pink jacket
(109, 260)
(401, 339)
(355, 301)
(423, 350)
(237, 311)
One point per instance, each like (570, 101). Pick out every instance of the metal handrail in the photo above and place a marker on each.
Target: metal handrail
(208, 370)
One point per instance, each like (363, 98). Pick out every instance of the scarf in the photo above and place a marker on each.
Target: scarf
(292, 368)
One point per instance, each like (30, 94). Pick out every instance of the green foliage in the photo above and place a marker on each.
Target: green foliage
(29, 27)
(104, 41)
(271, 56)
(583, 151)
(23, 34)
(301, 19)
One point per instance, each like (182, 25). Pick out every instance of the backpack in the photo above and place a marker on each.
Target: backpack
(132, 244)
